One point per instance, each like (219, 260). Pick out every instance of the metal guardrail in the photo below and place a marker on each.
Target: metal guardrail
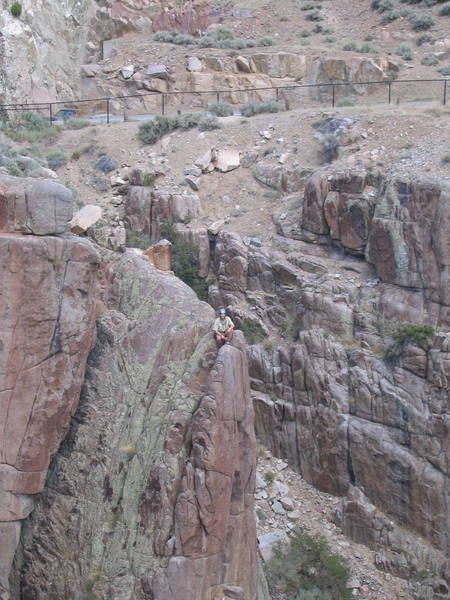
(69, 104)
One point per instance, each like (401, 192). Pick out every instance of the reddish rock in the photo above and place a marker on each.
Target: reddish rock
(163, 450)
(408, 241)
(160, 255)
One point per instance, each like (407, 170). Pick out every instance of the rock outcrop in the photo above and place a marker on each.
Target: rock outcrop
(356, 414)
(152, 491)
(47, 306)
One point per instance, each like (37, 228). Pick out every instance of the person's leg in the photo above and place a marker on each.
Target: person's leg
(219, 340)
(229, 334)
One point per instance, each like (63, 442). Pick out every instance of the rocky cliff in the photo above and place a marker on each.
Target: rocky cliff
(46, 332)
(151, 492)
(357, 413)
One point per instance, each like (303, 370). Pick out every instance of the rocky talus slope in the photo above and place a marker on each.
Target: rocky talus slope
(151, 493)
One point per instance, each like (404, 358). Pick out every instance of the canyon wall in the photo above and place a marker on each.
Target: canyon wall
(357, 413)
(151, 493)
(47, 289)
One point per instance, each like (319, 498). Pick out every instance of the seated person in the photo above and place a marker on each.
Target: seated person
(223, 328)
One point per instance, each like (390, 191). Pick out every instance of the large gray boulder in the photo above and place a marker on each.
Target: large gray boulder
(41, 207)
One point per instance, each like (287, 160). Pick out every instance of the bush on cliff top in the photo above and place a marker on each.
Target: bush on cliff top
(307, 569)
(151, 131)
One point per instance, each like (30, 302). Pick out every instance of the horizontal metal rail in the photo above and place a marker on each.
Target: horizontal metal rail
(332, 85)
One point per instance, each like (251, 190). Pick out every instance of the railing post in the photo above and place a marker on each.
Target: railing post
(107, 111)
(390, 92)
(162, 104)
(444, 100)
(50, 115)
(217, 96)
(277, 92)
(333, 98)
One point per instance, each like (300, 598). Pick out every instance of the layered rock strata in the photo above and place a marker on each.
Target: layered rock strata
(151, 494)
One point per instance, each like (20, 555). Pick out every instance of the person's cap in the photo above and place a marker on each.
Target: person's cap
(222, 311)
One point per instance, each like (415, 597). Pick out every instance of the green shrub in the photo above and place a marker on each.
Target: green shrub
(425, 38)
(307, 568)
(420, 22)
(382, 5)
(346, 101)
(269, 477)
(445, 70)
(33, 120)
(148, 179)
(75, 124)
(350, 46)
(390, 16)
(318, 28)
(416, 334)
(330, 39)
(16, 9)
(252, 331)
(305, 33)
(208, 123)
(220, 109)
(256, 108)
(315, 15)
(367, 48)
(56, 159)
(185, 259)
(137, 239)
(164, 36)
(429, 60)
(221, 37)
(445, 11)
(405, 51)
(309, 5)
(76, 155)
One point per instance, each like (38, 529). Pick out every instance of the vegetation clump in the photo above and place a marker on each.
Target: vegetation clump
(256, 108)
(151, 131)
(16, 9)
(429, 60)
(56, 159)
(185, 259)
(220, 109)
(221, 37)
(408, 333)
(421, 22)
(252, 331)
(307, 569)
(405, 51)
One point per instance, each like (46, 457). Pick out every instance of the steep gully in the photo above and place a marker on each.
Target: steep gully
(322, 405)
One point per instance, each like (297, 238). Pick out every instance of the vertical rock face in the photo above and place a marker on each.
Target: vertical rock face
(47, 289)
(151, 493)
(354, 420)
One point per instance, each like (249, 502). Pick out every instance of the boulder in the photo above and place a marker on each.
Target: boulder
(193, 182)
(157, 71)
(160, 255)
(267, 541)
(204, 161)
(85, 218)
(243, 64)
(227, 160)
(40, 207)
(127, 71)
(194, 64)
